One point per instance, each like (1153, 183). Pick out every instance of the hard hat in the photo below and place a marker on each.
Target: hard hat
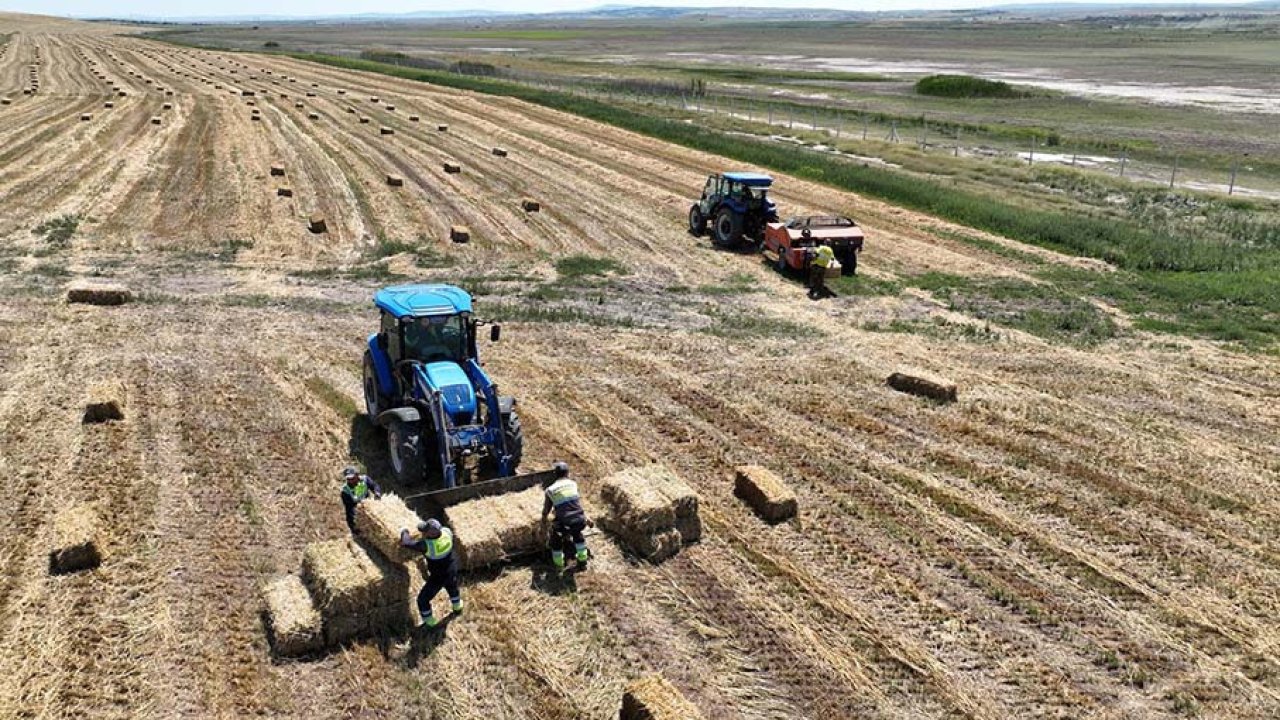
(350, 472)
(430, 528)
(562, 468)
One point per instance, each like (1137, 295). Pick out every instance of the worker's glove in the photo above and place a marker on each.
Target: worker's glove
(405, 538)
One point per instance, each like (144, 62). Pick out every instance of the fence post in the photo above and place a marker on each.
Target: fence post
(791, 117)
(770, 115)
(1235, 165)
(1124, 160)
(1174, 175)
(839, 125)
(957, 153)
(924, 133)
(813, 119)
(865, 122)
(1031, 151)
(1073, 158)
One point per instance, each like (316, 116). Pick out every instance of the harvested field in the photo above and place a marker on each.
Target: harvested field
(1086, 532)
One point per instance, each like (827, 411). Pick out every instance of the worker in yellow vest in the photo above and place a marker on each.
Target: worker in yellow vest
(356, 488)
(436, 547)
(820, 259)
(570, 519)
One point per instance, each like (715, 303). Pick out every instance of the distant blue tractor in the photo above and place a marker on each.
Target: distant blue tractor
(737, 206)
(423, 383)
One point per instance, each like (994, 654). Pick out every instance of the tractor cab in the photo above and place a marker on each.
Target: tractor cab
(423, 382)
(736, 205)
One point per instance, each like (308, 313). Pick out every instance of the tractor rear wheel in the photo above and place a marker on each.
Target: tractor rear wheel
(404, 447)
(697, 222)
(374, 401)
(728, 229)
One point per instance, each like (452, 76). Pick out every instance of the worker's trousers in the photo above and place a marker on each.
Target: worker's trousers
(817, 281)
(448, 581)
(566, 535)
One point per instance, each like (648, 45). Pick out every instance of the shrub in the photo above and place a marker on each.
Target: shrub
(966, 86)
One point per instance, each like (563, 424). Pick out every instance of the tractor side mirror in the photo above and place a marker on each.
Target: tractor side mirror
(495, 332)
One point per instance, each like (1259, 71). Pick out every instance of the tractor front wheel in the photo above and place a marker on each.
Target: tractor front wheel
(374, 401)
(728, 228)
(404, 446)
(697, 222)
(515, 439)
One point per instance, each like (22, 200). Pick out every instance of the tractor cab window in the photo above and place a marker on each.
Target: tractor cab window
(712, 187)
(435, 337)
(389, 336)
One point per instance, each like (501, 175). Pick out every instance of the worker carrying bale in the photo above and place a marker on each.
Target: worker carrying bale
(822, 258)
(355, 489)
(570, 519)
(436, 547)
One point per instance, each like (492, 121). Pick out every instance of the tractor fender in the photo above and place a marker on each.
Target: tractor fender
(403, 414)
(381, 367)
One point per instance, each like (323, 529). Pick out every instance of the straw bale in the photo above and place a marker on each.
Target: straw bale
(690, 528)
(299, 105)
(390, 108)
(277, 170)
(379, 523)
(530, 205)
(637, 504)
(98, 293)
(108, 105)
(364, 120)
(452, 167)
(105, 401)
(918, 384)
(765, 492)
(167, 106)
(459, 233)
(500, 152)
(75, 545)
(155, 120)
(294, 626)
(442, 128)
(313, 116)
(346, 578)
(384, 130)
(284, 192)
(683, 498)
(655, 546)
(85, 117)
(487, 530)
(395, 180)
(654, 698)
(414, 118)
(316, 223)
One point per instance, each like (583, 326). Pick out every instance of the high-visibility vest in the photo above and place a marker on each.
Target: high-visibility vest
(359, 492)
(824, 256)
(439, 548)
(562, 491)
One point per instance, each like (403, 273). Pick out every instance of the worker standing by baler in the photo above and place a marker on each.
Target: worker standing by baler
(570, 519)
(821, 258)
(436, 547)
(356, 488)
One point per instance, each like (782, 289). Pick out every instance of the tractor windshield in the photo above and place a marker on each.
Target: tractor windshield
(435, 337)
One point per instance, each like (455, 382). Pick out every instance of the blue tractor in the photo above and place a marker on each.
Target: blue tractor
(737, 206)
(424, 384)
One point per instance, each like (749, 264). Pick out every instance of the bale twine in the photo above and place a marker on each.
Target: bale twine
(765, 492)
(74, 545)
(92, 293)
(294, 625)
(923, 386)
(459, 233)
(379, 523)
(104, 401)
(654, 698)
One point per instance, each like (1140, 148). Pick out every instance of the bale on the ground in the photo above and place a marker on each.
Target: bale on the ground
(442, 128)
(364, 120)
(654, 698)
(313, 116)
(167, 106)
(91, 293)
(487, 530)
(316, 224)
(637, 503)
(345, 578)
(395, 180)
(108, 105)
(284, 192)
(277, 170)
(414, 118)
(74, 544)
(530, 205)
(294, 626)
(246, 93)
(452, 167)
(299, 105)
(765, 492)
(384, 130)
(85, 117)
(459, 233)
(933, 388)
(105, 401)
(500, 152)
(654, 546)
(690, 528)
(379, 523)
(155, 121)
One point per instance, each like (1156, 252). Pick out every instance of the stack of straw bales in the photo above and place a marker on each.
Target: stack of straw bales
(653, 698)
(488, 530)
(358, 592)
(652, 511)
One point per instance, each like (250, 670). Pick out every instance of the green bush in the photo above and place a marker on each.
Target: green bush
(966, 86)
(58, 231)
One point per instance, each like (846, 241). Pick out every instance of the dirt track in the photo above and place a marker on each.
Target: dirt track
(1087, 533)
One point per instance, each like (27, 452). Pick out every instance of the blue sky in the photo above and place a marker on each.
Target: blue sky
(192, 8)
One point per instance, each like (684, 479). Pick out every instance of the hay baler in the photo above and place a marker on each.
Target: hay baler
(442, 413)
(737, 206)
(788, 244)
